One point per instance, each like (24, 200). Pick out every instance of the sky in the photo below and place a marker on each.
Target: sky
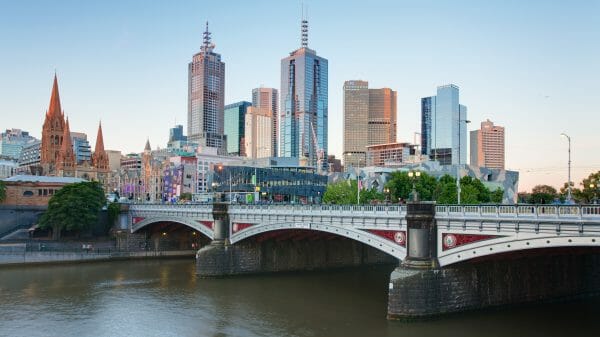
(530, 66)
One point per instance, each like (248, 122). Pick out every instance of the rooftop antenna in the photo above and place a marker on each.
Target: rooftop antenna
(304, 29)
(206, 44)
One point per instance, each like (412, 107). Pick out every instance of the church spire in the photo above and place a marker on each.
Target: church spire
(67, 155)
(54, 108)
(100, 158)
(147, 147)
(99, 140)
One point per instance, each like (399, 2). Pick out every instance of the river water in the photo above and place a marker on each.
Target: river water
(165, 298)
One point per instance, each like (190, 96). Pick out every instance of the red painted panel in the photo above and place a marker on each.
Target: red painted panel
(452, 240)
(398, 237)
(240, 226)
(136, 219)
(208, 224)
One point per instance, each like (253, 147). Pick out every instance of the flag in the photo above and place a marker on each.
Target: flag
(359, 183)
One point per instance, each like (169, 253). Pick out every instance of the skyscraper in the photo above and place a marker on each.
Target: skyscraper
(235, 129)
(176, 134)
(267, 98)
(487, 146)
(206, 88)
(369, 119)
(443, 126)
(303, 116)
(258, 139)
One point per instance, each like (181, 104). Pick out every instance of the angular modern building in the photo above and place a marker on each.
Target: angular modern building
(304, 106)
(234, 126)
(369, 119)
(206, 93)
(12, 142)
(268, 98)
(443, 126)
(487, 146)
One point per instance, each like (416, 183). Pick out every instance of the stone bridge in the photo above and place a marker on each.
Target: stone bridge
(461, 232)
(451, 257)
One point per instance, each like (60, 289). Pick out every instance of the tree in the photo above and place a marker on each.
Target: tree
(589, 191)
(74, 207)
(400, 185)
(542, 194)
(2, 191)
(445, 192)
(496, 196)
(346, 192)
(185, 196)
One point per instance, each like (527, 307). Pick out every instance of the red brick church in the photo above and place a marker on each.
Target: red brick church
(57, 157)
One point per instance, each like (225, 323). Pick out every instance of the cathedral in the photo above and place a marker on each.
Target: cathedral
(57, 156)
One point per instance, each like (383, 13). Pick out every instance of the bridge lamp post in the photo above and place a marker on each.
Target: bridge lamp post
(386, 190)
(413, 175)
(458, 163)
(569, 166)
(594, 187)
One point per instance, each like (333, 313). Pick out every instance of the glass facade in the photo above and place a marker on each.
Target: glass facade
(277, 184)
(443, 126)
(176, 134)
(304, 107)
(234, 127)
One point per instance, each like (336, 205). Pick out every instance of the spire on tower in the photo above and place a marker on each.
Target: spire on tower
(147, 147)
(304, 29)
(99, 139)
(207, 46)
(54, 108)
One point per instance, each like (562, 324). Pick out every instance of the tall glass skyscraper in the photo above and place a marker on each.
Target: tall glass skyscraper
(206, 92)
(303, 117)
(235, 117)
(443, 126)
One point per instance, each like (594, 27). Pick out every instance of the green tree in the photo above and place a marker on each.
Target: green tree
(590, 190)
(400, 185)
(445, 192)
(2, 191)
(345, 193)
(342, 192)
(496, 196)
(185, 196)
(542, 194)
(74, 207)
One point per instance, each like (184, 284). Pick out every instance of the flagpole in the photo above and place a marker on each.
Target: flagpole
(358, 188)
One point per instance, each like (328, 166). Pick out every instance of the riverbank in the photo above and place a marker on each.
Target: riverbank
(8, 258)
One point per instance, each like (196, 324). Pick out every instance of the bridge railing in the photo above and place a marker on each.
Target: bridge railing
(318, 209)
(520, 211)
(171, 207)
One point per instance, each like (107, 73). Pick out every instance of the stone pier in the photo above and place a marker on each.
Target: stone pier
(419, 288)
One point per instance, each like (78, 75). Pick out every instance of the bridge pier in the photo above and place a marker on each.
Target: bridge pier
(419, 288)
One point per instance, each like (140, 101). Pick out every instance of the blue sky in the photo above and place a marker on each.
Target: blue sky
(531, 66)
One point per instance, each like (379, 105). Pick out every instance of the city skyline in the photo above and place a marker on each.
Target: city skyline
(528, 79)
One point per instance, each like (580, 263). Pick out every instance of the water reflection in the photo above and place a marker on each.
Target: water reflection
(164, 298)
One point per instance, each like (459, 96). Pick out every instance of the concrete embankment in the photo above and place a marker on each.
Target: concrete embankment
(28, 257)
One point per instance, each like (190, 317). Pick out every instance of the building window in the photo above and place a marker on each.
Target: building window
(28, 194)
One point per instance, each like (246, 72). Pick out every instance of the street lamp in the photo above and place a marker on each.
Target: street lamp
(413, 175)
(386, 190)
(594, 187)
(569, 177)
(458, 163)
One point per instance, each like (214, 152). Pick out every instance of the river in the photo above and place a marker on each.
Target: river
(165, 298)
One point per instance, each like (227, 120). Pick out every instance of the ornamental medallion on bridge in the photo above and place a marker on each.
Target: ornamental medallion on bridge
(450, 240)
(398, 237)
(208, 224)
(136, 219)
(240, 226)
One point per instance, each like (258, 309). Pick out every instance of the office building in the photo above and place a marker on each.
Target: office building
(235, 119)
(304, 107)
(443, 126)
(369, 119)
(12, 142)
(259, 135)
(206, 93)
(268, 98)
(487, 146)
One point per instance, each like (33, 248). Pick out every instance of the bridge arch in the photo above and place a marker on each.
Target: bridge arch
(507, 244)
(181, 220)
(363, 235)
